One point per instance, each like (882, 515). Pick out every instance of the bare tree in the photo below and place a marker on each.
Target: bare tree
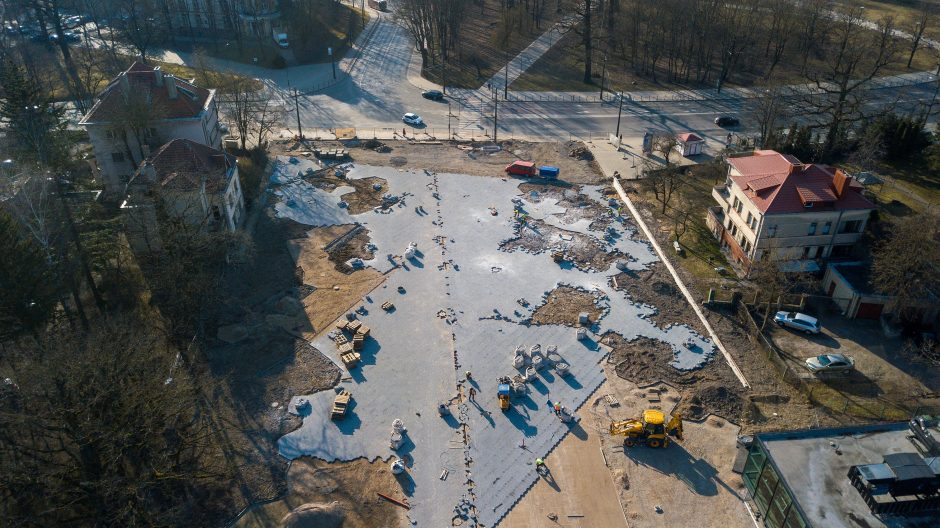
(906, 264)
(663, 183)
(665, 144)
(770, 109)
(99, 429)
(918, 27)
(855, 58)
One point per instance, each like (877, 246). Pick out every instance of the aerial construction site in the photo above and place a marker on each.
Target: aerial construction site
(501, 355)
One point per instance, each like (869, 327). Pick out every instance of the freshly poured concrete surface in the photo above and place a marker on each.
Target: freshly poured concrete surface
(416, 358)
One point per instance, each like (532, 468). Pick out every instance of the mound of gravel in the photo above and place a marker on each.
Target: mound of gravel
(315, 515)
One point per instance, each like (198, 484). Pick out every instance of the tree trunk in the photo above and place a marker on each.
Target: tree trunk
(588, 42)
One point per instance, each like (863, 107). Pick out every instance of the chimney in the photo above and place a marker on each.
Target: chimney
(158, 76)
(125, 83)
(841, 182)
(149, 172)
(171, 87)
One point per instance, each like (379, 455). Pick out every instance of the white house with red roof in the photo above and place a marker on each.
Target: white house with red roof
(187, 181)
(774, 207)
(141, 109)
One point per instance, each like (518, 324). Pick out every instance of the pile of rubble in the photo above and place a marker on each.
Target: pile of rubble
(582, 153)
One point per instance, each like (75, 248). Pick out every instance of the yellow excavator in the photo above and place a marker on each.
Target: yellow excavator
(652, 429)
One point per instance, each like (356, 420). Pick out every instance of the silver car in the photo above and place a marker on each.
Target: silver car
(798, 321)
(830, 363)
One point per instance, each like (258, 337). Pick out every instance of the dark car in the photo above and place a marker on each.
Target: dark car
(434, 95)
(726, 121)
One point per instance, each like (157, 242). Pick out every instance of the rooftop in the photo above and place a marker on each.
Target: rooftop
(170, 97)
(816, 474)
(183, 165)
(780, 183)
(689, 136)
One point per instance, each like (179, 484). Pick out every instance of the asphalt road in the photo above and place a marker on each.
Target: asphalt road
(377, 93)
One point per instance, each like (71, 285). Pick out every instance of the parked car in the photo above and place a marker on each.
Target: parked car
(434, 95)
(412, 119)
(798, 321)
(726, 121)
(830, 363)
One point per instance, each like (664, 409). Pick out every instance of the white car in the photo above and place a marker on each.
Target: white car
(798, 321)
(412, 119)
(830, 363)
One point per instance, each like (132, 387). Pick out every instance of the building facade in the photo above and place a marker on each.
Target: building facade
(246, 17)
(187, 181)
(141, 109)
(772, 207)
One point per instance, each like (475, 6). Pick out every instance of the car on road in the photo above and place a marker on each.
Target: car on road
(412, 119)
(798, 321)
(830, 363)
(68, 36)
(727, 121)
(434, 95)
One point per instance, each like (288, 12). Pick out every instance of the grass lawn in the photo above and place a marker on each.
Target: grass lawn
(480, 53)
(702, 253)
(909, 188)
(562, 69)
(905, 12)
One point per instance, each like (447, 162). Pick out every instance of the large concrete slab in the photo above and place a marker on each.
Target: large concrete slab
(459, 312)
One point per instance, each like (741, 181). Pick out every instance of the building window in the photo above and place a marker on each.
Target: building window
(826, 227)
(812, 229)
(740, 207)
(841, 251)
(735, 204)
(117, 157)
(749, 218)
(772, 231)
(853, 226)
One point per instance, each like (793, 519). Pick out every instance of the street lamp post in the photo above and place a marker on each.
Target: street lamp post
(619, 112)
(506, 78)
(495, 113)
(603, 76)
(300, 131)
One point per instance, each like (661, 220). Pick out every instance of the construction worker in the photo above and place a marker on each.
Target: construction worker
(557, 408)
(473, 394)
(539, 465)
(468, 375)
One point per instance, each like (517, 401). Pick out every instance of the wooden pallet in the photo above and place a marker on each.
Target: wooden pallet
(354, 325)
(350, 359)
(388, 306)
(341, 339)
(358, 342)
(345, 348)
(363, 330)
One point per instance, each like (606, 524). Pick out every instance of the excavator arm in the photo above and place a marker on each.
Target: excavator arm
(674, 427)
(626, 427)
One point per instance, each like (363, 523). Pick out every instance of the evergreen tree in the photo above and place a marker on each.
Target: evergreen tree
(26, 280)
(35, 122)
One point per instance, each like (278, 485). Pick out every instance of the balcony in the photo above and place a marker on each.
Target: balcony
(722, 195)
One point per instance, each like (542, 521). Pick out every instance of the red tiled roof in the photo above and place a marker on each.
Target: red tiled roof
(183, 165)
(686, 137)
(141, 79)
(778, 183)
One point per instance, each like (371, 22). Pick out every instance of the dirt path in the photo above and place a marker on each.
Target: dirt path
(580, 490)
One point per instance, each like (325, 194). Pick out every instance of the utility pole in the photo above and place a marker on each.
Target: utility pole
(449, 115)
(506, 78)
(300, 131)
(619, 111)
(604, 76)
(495, 112)
(443, 76)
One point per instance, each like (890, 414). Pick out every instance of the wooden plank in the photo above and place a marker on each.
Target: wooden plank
(394, 501)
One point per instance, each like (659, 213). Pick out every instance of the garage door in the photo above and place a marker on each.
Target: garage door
(869, 311)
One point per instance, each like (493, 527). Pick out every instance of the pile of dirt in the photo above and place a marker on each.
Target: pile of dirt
(376, 145)
(581, 153)
(563, 305)
(584, 252)
(349, 247)
(655, 287)
(710, 389)
(715, 398)
(315, 515)
(578, 206)
(367, 194)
